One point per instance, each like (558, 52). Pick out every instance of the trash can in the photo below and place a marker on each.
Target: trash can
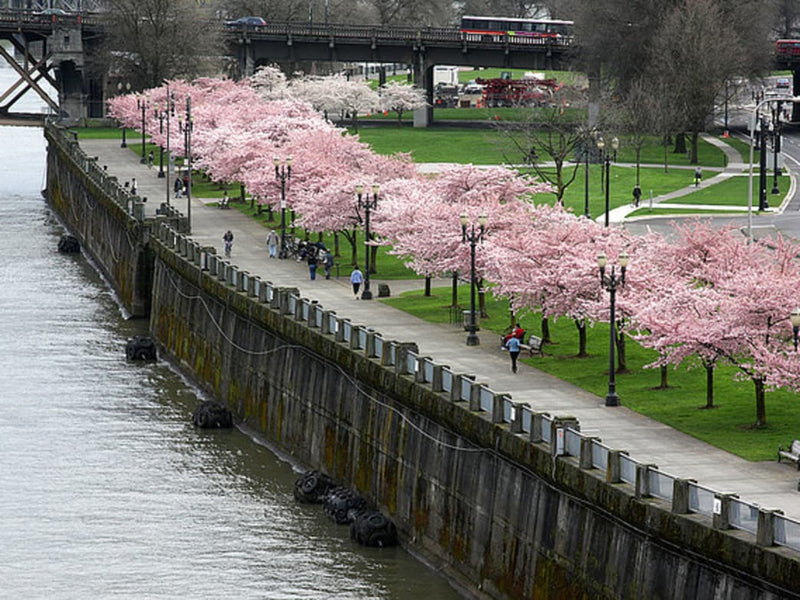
(468, 321)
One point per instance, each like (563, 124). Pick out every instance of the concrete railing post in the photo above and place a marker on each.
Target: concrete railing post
(339, 336)
(401, 357)
(721, 512)
(241, 281)
(765, 532)
(587, 459)
(498, 408)
(419, 376)
(326, 322)
(436, 382)
(517, 421)
(613, 466)
(680, 495)
(537, 422)
(558, 428)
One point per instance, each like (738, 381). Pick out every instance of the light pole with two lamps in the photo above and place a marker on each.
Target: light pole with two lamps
(610, 283)
(142, 102)
(120, 88)
(187, 127)
(605, 157)
(473, 237)
(282, 173)
(367, 204)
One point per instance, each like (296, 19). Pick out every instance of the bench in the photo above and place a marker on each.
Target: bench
(792, 453)
(534, 346)
(224, 203)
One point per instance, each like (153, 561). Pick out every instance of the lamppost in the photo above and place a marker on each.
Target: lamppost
(605, 157)
(367, 205)
(282, 173)
(160, 115)
(795, 319)
(753, 119)
(142, 101)
(127, 88)
(762, 168)
(775, 130)
(473, 237)
(610, 283)
(186, 127)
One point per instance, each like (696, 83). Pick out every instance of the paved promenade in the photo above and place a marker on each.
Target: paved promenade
(770, 484)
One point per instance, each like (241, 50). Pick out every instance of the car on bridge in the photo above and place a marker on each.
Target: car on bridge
(246, 22)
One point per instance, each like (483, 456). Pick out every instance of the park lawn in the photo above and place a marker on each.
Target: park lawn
(728, 426)
(476, 146)
(661, 212)
(514, 114)
(733, 192)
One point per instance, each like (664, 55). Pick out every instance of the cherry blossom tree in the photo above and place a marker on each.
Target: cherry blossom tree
(400, 97)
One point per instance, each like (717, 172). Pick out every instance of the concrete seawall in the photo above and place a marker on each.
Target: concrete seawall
(511, 503)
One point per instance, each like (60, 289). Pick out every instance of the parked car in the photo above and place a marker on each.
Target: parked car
(783, 83)
(246, 22)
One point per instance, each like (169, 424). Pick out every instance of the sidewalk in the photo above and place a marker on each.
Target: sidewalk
(770, 484)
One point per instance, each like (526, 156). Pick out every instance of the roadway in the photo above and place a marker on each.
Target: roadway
(770, 484)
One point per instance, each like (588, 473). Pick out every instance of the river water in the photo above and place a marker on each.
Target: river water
(106, 489)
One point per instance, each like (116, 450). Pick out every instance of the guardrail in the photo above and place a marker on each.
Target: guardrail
(562, 434)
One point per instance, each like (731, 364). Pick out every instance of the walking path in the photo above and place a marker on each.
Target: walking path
(770, 484)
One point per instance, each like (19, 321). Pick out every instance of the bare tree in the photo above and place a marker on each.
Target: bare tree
(148, 41)
(787, 23)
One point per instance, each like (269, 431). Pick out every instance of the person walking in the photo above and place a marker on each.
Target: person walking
(698, 175)
(513, 345)
(178, 186)
(327, 263)
(356, 279)
(311, 257)
(272, 243)
(133, 186)
(150, 159)
(637, 195)
(228, 240)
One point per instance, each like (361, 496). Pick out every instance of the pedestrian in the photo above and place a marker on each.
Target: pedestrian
(637, 195)
(698, 175)
(150, 159)
(356, 279)
(133, 186)
(311, 257)
(228, 239)
(186, 184)
(513, 345)
(178, 187)
(327, 263)
(272, 243)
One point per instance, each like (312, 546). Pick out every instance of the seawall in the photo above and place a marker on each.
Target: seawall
(511, 502)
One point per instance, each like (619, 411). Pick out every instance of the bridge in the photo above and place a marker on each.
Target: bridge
(50, 52)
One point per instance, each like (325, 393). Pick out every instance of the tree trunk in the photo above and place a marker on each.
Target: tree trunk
(710, 385)
(761, 409)
(373, 259)
(664, 383)
(622, 363)
(336, 243)
(354, 249)
(427, 285)
(581, 325)
(455, 289)
(545, 330)
(680, 144)
(241, 192)
(693, 156)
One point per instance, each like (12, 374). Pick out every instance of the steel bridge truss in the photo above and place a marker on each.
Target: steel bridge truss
(32, 71)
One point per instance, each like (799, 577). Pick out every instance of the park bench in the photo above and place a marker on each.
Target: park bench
(792, 453)
(224, 202)
(534, 346)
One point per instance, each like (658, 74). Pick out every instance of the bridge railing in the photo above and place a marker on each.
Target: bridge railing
(409, 34)
(562, 434)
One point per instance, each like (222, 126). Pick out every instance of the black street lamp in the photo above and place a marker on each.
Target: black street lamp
(473, 238)
(762, 165)
(142, 102)
(795, 319)
(367, 205)
(186, 127)
(127, 88)
(610, 283)
(775, 130)
(605, 157)
(160, 115)
(282, 173)
(586, 180)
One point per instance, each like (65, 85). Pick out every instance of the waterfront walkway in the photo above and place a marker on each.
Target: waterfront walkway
(770, 484)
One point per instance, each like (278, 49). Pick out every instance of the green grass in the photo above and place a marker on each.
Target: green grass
(478, 146)
(733, 192)
(728, 426)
